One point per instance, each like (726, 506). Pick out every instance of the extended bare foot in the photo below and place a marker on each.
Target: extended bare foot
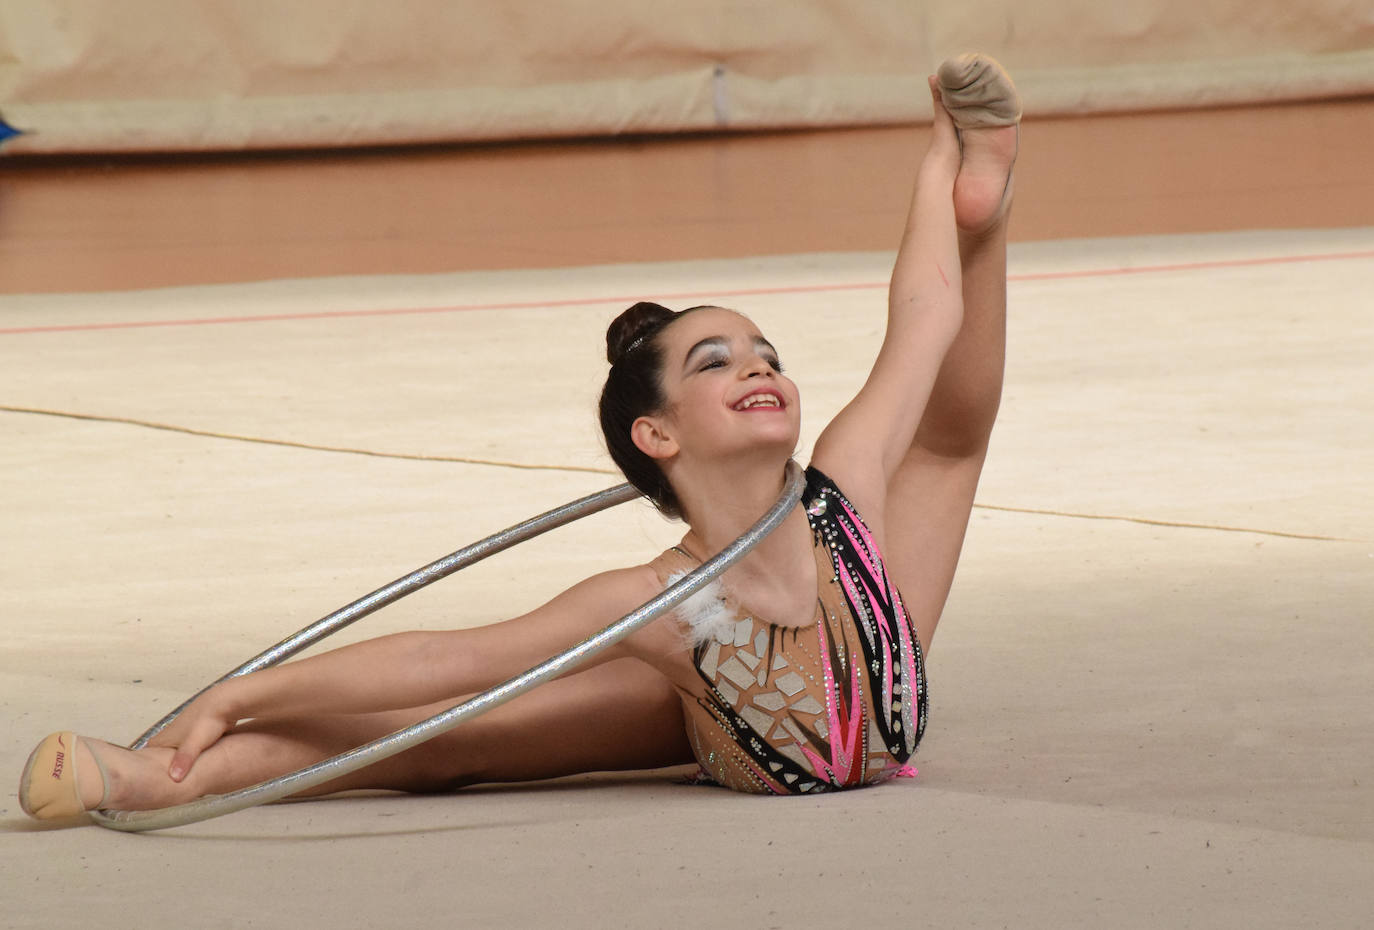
(986, 111)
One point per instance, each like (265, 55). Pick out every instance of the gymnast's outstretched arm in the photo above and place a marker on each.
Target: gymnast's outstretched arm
(406, 670)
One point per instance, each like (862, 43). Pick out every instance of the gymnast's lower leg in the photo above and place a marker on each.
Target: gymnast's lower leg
(621, 715)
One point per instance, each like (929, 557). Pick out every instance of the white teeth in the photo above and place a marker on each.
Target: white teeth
(758, 400)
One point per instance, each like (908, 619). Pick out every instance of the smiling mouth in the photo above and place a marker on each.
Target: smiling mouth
(755, 401)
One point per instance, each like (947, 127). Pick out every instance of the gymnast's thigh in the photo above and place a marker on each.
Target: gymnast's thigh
(616, 716)
(928, 506)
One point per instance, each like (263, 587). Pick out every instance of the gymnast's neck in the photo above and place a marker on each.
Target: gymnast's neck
(721, 502)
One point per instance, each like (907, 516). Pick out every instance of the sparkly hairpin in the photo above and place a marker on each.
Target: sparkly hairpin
(639, 340)
(649, 331)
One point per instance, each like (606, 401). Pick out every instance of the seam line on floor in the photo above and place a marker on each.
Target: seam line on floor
(292, 444)
(584, 469)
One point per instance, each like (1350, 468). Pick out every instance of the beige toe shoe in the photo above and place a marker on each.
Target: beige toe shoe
(978, 93)
(48, 788)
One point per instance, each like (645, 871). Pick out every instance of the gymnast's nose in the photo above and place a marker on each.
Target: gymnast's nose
(758, 366)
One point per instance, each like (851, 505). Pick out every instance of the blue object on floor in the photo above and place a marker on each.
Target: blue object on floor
(8, 132)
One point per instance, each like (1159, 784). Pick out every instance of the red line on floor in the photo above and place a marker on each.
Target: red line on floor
(685, 295)
(1193, 266)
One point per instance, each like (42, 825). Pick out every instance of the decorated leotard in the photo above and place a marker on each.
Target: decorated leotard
(838, 703)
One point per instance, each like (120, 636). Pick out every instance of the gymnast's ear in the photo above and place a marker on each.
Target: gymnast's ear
(651, 437)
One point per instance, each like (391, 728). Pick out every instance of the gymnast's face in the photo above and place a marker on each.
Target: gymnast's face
(725, 389)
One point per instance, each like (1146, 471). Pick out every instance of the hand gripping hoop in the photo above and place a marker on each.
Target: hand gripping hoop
(277, 788)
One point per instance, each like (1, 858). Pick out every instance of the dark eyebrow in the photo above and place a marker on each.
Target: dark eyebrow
(719, 341)
(708, 341)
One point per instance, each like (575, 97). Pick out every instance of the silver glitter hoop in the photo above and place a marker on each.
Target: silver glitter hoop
(329, 769)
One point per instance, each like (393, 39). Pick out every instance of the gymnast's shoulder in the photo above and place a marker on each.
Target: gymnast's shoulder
(604, 598)
(618, 591)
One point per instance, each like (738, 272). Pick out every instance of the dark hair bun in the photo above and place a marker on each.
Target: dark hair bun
(634, 325)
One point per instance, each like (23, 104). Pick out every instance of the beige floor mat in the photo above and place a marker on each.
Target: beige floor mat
(1150, 687)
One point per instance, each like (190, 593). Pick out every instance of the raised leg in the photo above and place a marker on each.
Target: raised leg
(930, 498)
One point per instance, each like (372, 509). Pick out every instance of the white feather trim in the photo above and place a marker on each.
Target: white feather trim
(706, 614)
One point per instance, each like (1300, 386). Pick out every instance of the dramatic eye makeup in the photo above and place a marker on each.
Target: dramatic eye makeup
(708, 353)
(769, 354)
(714, 352)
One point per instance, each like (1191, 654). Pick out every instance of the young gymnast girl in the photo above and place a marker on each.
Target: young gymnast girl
(802, 671)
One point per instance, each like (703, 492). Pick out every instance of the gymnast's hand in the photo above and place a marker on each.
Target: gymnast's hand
(196, 729)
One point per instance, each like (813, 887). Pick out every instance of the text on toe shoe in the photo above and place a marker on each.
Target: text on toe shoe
(60, 761)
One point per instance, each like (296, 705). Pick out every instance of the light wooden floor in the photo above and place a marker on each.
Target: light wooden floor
(98, 224)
